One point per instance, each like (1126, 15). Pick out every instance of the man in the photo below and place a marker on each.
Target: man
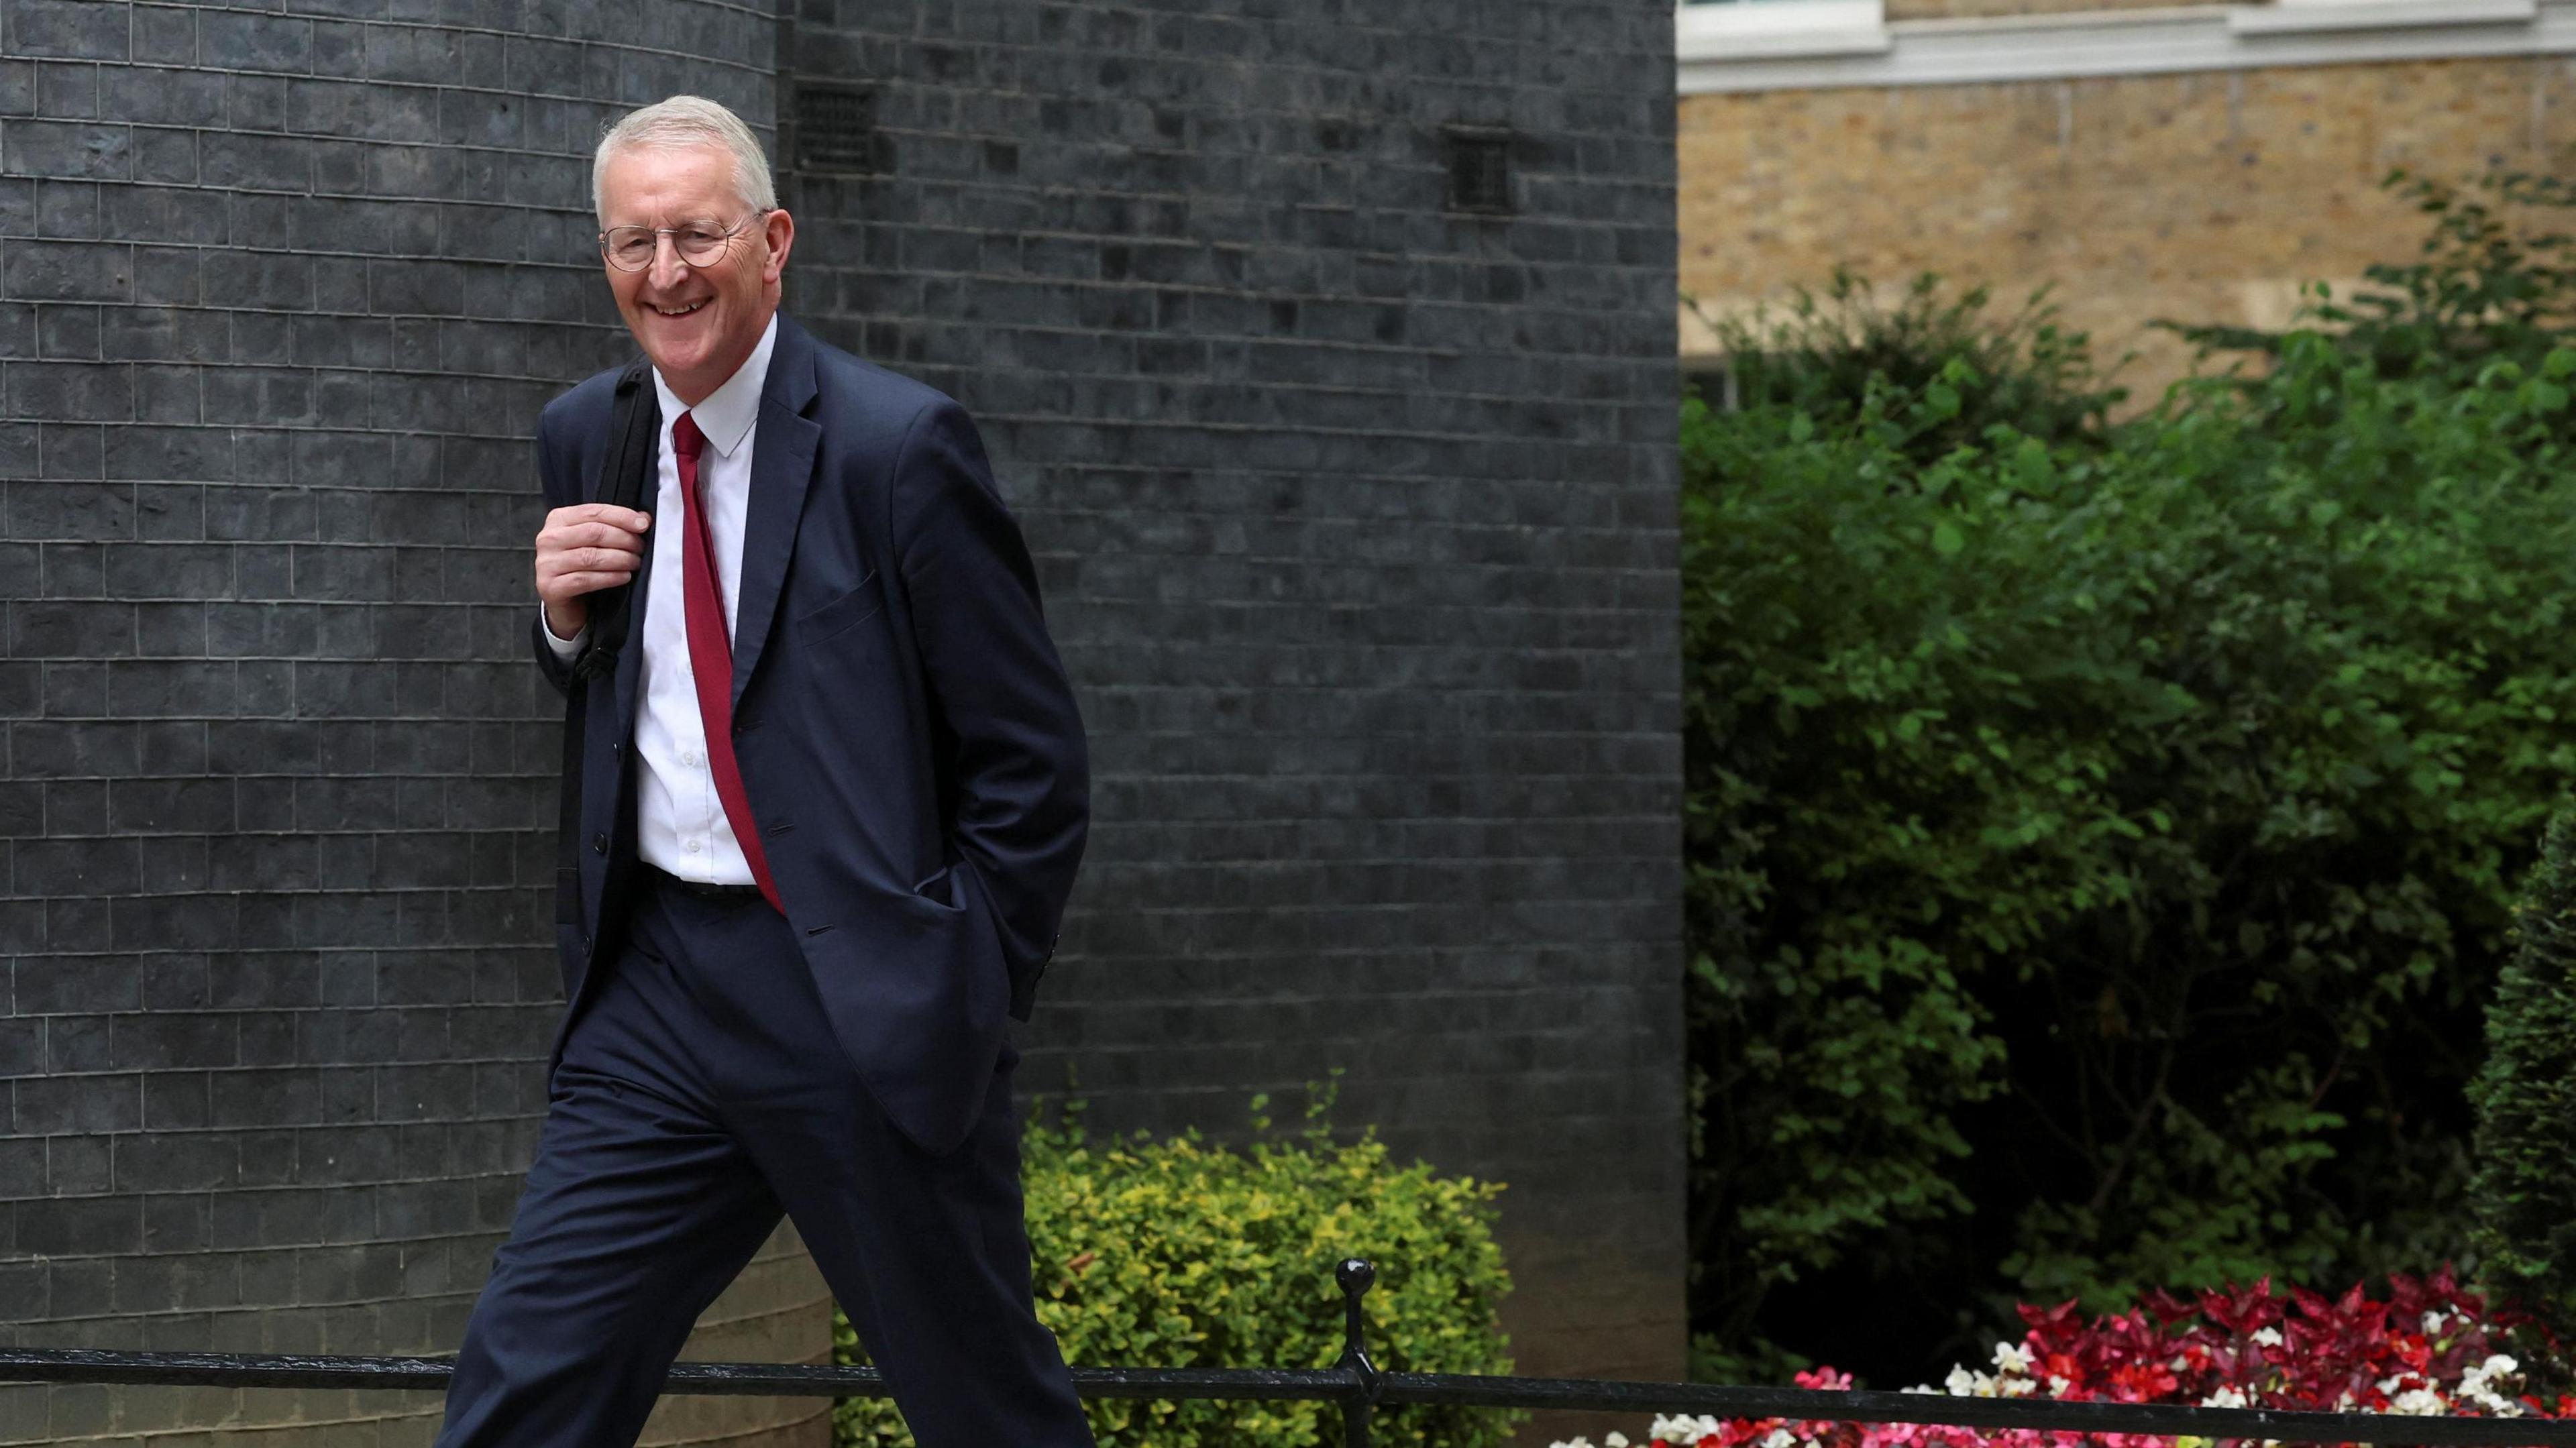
(831, 792)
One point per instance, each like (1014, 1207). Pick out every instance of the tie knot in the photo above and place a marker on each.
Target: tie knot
(686, 440)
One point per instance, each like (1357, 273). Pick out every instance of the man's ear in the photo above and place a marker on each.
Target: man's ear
(780, 229)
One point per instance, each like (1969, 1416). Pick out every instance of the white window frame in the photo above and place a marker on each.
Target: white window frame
(1779, 29)
(2179, 39)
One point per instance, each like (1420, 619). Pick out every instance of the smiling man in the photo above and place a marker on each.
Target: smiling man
(825, 794)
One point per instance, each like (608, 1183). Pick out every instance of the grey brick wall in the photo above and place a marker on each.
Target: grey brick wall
(1356, 518)
(1357, 523)
(282, 287)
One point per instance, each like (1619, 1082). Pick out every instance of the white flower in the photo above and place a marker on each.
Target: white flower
(2496, 1405)
(2268, 1337)
(1780, 1438)
(1683, 1429)
(1614, 1440)
(2011, 1359)
(2418, 1402)
(2477, 1385)
(2057, 1386)
(1965, 1384)
(2225, 1398)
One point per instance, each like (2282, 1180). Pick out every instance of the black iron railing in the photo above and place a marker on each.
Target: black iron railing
(1359, 1387)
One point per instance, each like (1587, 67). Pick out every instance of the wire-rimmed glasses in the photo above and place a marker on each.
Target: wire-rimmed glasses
(699, 242)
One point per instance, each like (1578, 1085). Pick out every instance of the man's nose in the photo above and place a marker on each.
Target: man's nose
(667, 269)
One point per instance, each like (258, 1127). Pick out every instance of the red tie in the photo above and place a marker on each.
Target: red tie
(711, 654)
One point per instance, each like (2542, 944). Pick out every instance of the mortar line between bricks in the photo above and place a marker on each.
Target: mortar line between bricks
(1034, 281)
(310, 194)
(739, 7)
(1209, 289)
(1034, 419)
(1374, 350)
(1123, 151)
(1160, 776)
(433, 27)
(428, 88)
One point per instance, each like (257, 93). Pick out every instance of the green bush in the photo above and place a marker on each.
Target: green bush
(1178, 1253)
(1822, 352)
(2490, 287)
(2525, 1188)
(2098, 848)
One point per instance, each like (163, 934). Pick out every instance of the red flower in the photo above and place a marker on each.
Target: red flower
(2298, 1350)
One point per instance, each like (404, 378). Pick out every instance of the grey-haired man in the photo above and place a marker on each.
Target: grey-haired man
(832, 794)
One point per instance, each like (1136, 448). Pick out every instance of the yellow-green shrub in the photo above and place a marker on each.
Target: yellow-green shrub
(1180, 1253)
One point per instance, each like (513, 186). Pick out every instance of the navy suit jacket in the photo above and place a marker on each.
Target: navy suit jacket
(908, 741)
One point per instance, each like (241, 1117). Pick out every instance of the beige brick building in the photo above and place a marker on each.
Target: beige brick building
(2194, 162)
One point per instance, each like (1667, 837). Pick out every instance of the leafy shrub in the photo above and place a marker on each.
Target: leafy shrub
(2429, 1347)
(1822, 353)
(2525, 1189)
(1178, 1253)
(2490, 287)
(2097, 853)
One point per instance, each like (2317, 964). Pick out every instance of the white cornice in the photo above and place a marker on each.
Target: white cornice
(2153, 42)
(2291, 16)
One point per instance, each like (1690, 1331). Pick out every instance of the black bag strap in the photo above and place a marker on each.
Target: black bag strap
(634, 434)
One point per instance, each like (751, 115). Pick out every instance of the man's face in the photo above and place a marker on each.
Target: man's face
(697, 323)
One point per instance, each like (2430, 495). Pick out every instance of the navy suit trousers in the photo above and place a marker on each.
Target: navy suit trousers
(700, 1094)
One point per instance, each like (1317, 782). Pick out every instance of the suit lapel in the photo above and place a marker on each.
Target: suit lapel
(784, 443)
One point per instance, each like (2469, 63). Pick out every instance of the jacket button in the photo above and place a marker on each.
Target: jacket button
(599, 844)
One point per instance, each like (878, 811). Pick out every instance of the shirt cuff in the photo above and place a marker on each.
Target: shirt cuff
(564, 648)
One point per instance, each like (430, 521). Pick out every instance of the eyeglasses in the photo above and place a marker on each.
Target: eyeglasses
(700, 242)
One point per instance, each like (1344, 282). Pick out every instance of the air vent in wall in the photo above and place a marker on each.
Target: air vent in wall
(836, 127)
(1479, 161)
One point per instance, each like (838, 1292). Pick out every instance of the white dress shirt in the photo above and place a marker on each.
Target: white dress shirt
(680, 824)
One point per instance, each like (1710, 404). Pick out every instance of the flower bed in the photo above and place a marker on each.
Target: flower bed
(2430, 1347)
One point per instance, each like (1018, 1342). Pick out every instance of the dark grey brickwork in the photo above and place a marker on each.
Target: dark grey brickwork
(1357, 527)
(282, 287)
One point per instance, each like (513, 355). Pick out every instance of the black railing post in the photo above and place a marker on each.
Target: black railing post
(1355, 1274)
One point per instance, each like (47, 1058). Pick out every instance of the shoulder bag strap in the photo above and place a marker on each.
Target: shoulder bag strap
(633, 435)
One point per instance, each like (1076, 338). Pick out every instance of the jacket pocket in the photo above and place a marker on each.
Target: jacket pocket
(841, 612)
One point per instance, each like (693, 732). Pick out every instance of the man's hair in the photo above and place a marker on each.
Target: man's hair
(687, 121)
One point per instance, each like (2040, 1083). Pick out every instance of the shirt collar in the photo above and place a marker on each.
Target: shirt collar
(726, 414)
